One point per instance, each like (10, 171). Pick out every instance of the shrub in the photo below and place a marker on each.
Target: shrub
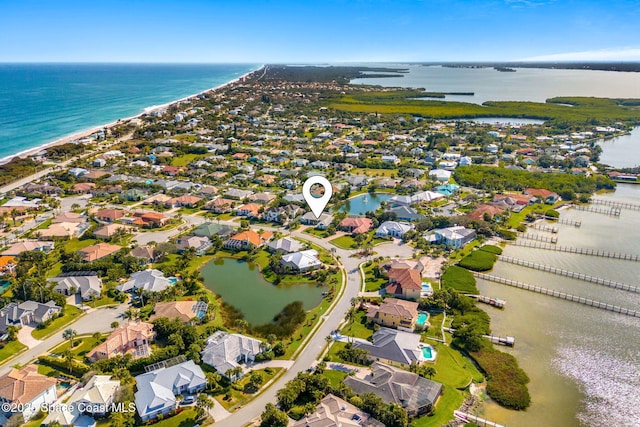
(552, 213)
(491, 249)
(77, 368)
(478, 261)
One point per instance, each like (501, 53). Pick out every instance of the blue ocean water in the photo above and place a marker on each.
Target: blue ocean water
(40, 103)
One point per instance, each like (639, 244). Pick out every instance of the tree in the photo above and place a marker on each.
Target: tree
(429, 371)
(70, 335)
(97, 336)
(255, 380)
(114, 325)
(14, 215)
(273, 417)
(204, 403)
(68, 357)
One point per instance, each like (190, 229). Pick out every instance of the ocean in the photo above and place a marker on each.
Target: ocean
(40, 103)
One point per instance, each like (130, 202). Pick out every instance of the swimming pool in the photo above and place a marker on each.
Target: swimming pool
(428, 352)
(173, 280)
(426, 289)
(422, 318)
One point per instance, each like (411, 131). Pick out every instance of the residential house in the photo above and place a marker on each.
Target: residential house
(27, 313)
(99, 251)
(187, 201)
(133, 195)
(302, 261)
(285, 245)
(250, 210)
(440, 175)
(150, 280)
(394, 229)
(541, 194)
(27, 391)
(321, 223)
(64, 230)
(416, 198)
(132, 338)
(85, 283)
(211, 229)
(93, 399)
(66, 217)
(149, 219)
(391, 159)
(237, 194)
(83, 187)
(406, 213)
(478, 214)
(27, 246)
(110, 215)
(185, 311)
(454, 237)
(108, 231)
(393, 347)
(404, 283)
(220, 205)
(356, 225)
(157, 390)
(394, 313)
(335, 412)
(410, 391)
(264, 198)
(246, 240)
(157, 199)
(199, 243)
(225, 351)
(146, 253)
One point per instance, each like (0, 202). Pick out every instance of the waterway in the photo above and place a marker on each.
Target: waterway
(526, 84)
(364, 203)
(242, 285)
(622, 151)
(583, 362)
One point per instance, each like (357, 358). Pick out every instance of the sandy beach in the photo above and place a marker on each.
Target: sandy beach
(147, 110)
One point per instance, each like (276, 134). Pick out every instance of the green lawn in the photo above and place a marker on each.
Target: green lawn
(357, 327)
(371, 282)
(434, 330)
(375, 172)
(71, 313)
(335, 377)
(185, 159)
(240, 398)
(315, 232)
(186, 418)
(82, 345)
(344, 242)
(74, 245)
(10, 349)
(450, 400)
(516, 218)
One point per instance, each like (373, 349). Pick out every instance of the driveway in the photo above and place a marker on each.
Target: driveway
(96, 320)
(24, 336)
(395, 249)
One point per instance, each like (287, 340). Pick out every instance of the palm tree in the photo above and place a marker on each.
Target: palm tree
(70, 335)
(204, 402)
(68, 357)
(429, 371)
(14, 215)
(114, 325)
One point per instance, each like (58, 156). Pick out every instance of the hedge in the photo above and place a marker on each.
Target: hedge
(478, 261)
(491, 249)
(459, 279)
(78, 368)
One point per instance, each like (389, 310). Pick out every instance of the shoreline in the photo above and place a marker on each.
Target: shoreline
(146, 110)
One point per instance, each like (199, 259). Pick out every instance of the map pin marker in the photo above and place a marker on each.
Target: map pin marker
(317, 204)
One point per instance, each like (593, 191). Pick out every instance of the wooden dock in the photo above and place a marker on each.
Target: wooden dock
(496, 302)
(529, 236)
(581, 251)
(564, 221)
(558, 294)
(541, 227)
(506, 341)
(615, 204)
(612, 211)
(572, 274)
(468, 418)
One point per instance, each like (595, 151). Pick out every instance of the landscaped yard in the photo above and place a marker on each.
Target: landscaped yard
(71, 313)
(239, 398)
(185, 159)
(357, 326)
(450, 400)
(335, 377)
(344, 242)
(371, 282)
(186, 418)
(82, 345)
(74, 245)
(11, 348)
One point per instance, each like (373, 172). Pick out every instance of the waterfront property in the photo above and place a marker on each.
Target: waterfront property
(302, 261)
(395, 347)
(226, 351)
(452, 237)
(394, 313)
(413, 393)
(364, 203)
(185, 311)
(333, 411)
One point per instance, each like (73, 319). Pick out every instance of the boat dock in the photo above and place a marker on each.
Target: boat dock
(506, 341)
(558, 294)
(553, 239)
(546, 228)
(572, 274)
(581, 251)
(612, 211)
(564, 221)
(496, 302)
(468, 418)
(615, 204)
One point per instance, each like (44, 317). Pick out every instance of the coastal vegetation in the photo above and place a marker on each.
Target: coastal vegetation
(460, 279)
(481, 259)
(573, 110)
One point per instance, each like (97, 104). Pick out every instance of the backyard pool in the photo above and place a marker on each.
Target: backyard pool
(422, 318)
(427, 290)
(428, 353)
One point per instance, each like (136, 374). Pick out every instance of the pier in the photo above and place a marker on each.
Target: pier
(553, 240)
(581, 251)
(612, 211)
(496, 302)
(558, 294)
(506, 341)
(546, 228)
(572, 274)
(481, 422)
(564, 221)
(615, 204)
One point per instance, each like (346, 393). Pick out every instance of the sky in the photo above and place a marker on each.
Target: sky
(308, 31)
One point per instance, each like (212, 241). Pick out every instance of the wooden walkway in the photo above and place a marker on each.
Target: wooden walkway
(481, 422)
(529, 236)
(612, 211)
(572, 274)
(558, 294)
(615, 204)
(581, 251)
(564, 221)
(541, 227)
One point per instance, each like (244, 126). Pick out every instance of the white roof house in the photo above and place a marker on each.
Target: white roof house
(149, 280)
(225, 351)
(420, 197)
(440, 174)
(302, 261)
(286, 244)
(157, 389)
(87, 284)
(393, 229)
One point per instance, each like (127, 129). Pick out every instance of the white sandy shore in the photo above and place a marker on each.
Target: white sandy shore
(87, 132)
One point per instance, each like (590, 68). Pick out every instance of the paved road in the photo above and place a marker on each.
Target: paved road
(96, 320)
(144, 238)
(316, 344)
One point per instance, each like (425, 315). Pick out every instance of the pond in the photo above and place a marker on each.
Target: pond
(242, 285)
(363, 203)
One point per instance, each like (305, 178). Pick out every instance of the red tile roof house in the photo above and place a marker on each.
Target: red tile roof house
(220, 205)
(27, 390)
(250, 210)
(356, 225)
(172, 170)
(186, 200)
(110, 215)
(478, 213)
(404, 283)
(151, 219)
(542, 194)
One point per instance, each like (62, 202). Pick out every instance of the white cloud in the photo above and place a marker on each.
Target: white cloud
(613, 54)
